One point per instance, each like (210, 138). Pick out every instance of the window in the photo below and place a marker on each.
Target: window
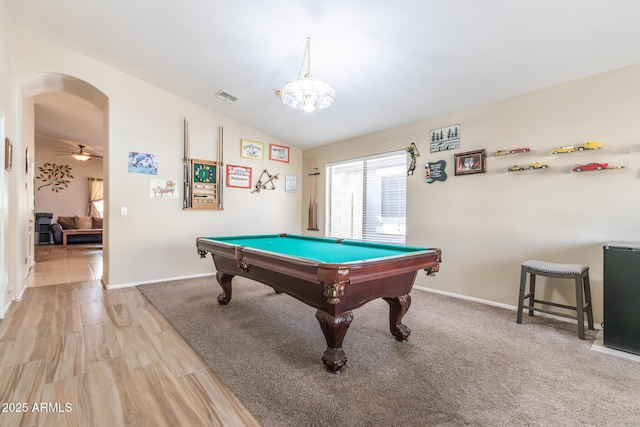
(99, 205)
(96, 202)
(366, 198)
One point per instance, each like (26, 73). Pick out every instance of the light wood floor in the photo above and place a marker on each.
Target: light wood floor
(75, 354)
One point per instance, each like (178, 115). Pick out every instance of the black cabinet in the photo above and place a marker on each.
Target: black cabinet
(622, 296)
(43, 228)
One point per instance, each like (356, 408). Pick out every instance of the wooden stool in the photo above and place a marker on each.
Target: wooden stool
(580, 274)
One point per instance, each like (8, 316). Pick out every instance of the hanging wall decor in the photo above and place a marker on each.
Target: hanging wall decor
(163, 188)
(470, 162)
(447, 138)
(290, 183)
(435, 171)
(58, 177)
(143, 163)
(265, 182)
(204, 184)
(279, 153)
(251, 149)
(413, 151)
(8, 154)
(238, 176)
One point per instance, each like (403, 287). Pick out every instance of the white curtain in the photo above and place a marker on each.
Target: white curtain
(95, 196)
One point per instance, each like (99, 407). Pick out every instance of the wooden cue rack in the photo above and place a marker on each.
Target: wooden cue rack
(204, 184)
(203, 179)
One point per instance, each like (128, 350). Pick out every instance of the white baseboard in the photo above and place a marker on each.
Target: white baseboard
(146, 282)
(497, 304)
(468, 298)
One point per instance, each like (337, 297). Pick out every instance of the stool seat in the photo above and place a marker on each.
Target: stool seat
(553, 267)
(578, 272)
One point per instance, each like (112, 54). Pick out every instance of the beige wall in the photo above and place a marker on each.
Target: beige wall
(8, 235)
(73, 200)
(156, 239)
(487, 224)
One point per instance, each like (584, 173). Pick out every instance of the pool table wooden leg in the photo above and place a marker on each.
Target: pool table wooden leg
(397, 309)
(334, 329)
(224, 280)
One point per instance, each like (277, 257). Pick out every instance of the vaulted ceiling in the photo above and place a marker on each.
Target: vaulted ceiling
(391, 63)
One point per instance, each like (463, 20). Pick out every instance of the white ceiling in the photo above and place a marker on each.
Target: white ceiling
(391, 63)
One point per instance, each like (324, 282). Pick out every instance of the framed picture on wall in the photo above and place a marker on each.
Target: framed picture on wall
(290, 183)
(279, 153)
(238, 176)
(470, 162)
(251, 149)
(8, 154)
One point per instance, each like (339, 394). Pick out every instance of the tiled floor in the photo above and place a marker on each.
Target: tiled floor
(75, 263)
(105, 357)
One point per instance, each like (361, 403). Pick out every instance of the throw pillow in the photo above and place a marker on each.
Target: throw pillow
(67, 222)
(96, 222)
(83, 222)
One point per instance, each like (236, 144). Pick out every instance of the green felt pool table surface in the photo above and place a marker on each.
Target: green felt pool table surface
(320, 249)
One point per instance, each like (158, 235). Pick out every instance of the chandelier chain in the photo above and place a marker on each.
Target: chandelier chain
(306, 57)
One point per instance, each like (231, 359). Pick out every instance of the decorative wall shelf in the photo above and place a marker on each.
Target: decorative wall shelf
(537, 166)
(511, 152)
(587, 147)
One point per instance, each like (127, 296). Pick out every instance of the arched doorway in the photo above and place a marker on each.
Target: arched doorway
(45, 96)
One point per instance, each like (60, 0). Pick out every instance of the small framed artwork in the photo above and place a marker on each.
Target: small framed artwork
(8, 154)
(290, 183)
(470, 162)
(251, 149)
(447, 138)
(238, 176)
(279, 153)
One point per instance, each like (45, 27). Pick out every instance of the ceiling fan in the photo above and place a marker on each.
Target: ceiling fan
(82, 155)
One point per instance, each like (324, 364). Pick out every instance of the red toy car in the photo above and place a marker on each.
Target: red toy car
(591, 167)
(520, 150)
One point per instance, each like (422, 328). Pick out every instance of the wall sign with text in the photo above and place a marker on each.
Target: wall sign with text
(435, 171)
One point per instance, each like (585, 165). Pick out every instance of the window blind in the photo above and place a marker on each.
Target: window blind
(367, 198)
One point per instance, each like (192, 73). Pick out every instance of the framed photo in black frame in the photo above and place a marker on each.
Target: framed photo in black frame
(470, 162)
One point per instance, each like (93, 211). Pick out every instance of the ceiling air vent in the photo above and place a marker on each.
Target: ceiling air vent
(226, 96)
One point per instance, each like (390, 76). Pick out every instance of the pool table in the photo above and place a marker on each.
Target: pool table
(334, 276)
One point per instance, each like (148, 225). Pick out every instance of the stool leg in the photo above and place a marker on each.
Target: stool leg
(523, 285)
(532, 291)
(587, 297)
(579, 306)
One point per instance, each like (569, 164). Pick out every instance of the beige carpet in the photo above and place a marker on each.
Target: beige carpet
(465, 364)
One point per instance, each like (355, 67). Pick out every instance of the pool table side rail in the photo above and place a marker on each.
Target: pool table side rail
(220, 245)
(306, 269)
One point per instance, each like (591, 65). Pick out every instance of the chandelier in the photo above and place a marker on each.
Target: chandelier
(307, 93)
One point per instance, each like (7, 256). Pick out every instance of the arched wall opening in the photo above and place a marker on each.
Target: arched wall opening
(30, 87)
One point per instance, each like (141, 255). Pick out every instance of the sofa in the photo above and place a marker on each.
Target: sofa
(77, 229)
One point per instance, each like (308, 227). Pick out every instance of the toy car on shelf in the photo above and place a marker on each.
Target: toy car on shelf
(590, 145)
(564, 149)
(516, 168)
(500, 153)
(538, 165)
(591, 167)
(519, 150)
